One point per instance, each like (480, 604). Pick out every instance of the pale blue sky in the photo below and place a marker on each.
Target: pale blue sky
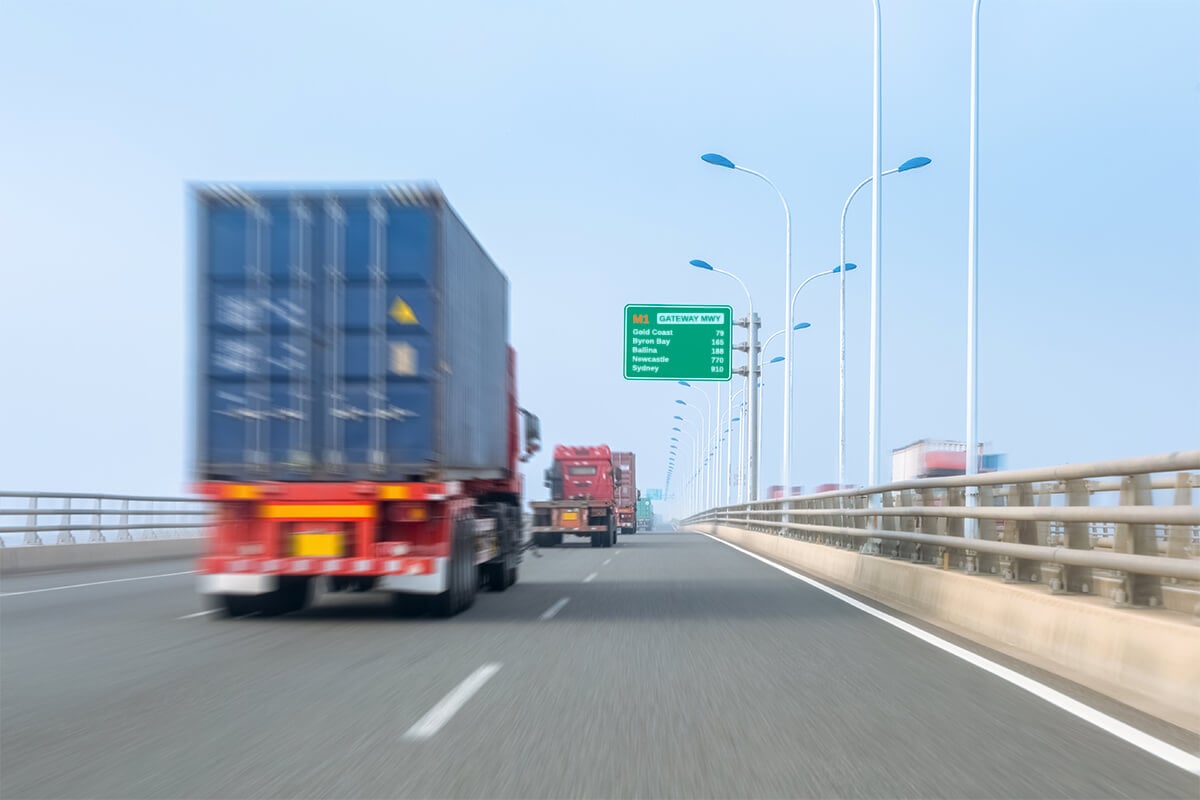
(567, 135)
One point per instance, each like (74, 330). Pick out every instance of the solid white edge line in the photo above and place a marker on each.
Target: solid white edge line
(97, 583)
(204, 613)
(591, 577)
(554, 609)
(1109, 724)
(449, 705)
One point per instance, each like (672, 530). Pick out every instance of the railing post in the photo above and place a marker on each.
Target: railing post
(97, 533)
(1077, 536)
(891, 547)
(66, 536)
(909, 525)
(33, 522)
(152, 532)
(1138, 590)
(1020, 495)
(985, 563)
(124, 535)
(956, 497)
(1178, 536)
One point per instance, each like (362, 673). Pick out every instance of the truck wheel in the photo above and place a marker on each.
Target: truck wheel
(294, 594)
(611, 538)
(557, 538)
(500, 575)
(598, 539)
(514, 572)
(463, 577)
(236, 605)
(408, 605)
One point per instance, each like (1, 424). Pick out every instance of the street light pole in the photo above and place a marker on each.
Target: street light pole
(876, 288)
(729, 461)
(912, 163)
(695, 464)
(752, 339)
(971, 528)
(703, 442)
(722, 161)
(707, 420)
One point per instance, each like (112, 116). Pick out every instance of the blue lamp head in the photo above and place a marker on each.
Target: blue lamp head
(677, 429)
(684, 383)
(674, 438)
(736, 419)
(776, 359)
(695, 262)
(799, 326)
(717, 160)
(849, 267)
(681, 419)
(914, 163)
(680, 402)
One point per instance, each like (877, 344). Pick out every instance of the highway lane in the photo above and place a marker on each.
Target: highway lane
(669, 666)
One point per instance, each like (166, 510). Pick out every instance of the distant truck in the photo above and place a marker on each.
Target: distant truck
(627, 493)
(583, 485)
(933, 458)
(356, 396)
(645, 514)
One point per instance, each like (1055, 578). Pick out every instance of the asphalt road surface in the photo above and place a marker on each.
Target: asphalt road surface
(668, 666)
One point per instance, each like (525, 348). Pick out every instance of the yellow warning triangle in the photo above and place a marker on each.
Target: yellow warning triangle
(402, 312)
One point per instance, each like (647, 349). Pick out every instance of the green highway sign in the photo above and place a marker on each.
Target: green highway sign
(678, 343)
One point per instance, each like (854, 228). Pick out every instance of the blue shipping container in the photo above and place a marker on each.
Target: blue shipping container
(346, 333)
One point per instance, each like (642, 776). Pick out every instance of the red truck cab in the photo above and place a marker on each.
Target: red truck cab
(583, 497)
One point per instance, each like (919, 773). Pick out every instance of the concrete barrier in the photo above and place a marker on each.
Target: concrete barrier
(49, 557)
(1145, 658)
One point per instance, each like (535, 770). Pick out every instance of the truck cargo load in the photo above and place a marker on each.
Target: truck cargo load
(357, 417)
(346, 333)
(627, 493)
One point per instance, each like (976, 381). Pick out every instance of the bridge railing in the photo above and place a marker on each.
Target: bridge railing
(1092, 529)
(32, 519)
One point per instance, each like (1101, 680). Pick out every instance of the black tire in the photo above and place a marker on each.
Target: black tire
(514, 573)
(409, 605)
(463, 576)
(500, 575)
(558, 538)
(237, 605)
(294, 594)
(598, 539)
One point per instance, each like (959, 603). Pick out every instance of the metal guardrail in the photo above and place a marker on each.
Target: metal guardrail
(67, 518)
(1085, 528)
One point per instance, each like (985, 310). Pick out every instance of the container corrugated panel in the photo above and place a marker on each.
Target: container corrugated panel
(347, 333)
(627, 491)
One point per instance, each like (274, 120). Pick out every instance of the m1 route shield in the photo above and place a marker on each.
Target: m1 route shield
(678, 343)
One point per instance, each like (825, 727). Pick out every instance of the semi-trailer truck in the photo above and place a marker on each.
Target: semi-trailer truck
(583, 501)
(627, 494)
(356, 399)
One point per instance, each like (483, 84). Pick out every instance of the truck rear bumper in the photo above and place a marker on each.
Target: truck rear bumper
(584, 530)
(235, 575)
(237, 584)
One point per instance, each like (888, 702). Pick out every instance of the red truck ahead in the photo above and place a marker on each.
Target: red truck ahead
(627, 493)
(583, 483)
